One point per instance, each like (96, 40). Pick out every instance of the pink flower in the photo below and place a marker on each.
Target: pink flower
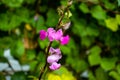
(54, 35)
(51, 34)
(54, 51)
(43, 34)
(58, 34)
(53, 58)
(54, 66)
(64, 40)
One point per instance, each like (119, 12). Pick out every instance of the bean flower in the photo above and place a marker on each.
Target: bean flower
(55, 54)
(53, 58)
(54, 35)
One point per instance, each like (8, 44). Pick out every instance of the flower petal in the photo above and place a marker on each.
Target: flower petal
(64, 40)
(53, 58)
(54, 51)
(43, 34)
(58, 34)
(54, 66)
(51, 34)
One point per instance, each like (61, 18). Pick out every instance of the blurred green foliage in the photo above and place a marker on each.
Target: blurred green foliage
(94, 38)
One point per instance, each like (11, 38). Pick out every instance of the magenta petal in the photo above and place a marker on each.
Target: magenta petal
(54, 66)
(43, 34)
(64, 40)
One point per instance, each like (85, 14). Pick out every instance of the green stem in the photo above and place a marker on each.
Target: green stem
(42, 71)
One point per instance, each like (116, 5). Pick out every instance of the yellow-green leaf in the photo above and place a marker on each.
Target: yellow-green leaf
(118, 18)
(112, 24)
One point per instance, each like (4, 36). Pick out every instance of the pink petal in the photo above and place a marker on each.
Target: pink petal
(53, 58)
(54, 66)
(58, 34)
(54, 51)
(51, 34)
(64, 40)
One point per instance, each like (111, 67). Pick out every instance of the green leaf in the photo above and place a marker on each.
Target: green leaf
(63, 73)
(118, 18)
(39, 24)
(118, 68)
(92, 31)
(79, 27)
(109, 5)
(41, 57)
(18, 76)
(6, 42)
(91, 76)
(43, 43)
(94, 1)
(115, 75)
(13, 3)
(87, 41)
(112, 24)
(65, 49)
(62, 70)
(84, 8)
(98, 13)
(94, 59)
(79, 64)
(29, 1)
(11, 20)
(108, 63)
(63, 2)
(33, 65)
(101, 74)
(95, 50)
(18, 49)
(52, 18)
(30, 54)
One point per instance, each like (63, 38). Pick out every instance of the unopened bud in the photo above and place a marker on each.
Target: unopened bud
(66, 26)
(70, 2)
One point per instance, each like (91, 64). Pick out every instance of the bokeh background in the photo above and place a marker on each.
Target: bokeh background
(93, 52)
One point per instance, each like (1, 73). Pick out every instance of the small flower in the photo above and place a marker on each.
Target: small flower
(51, 34)
(53, 58)
(54, 51)
(54, 66)
(64, 40)
(43, 34)
(58, 34)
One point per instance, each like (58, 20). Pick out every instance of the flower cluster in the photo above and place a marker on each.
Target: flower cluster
(55, 54)
(54, 35)
(53, 58)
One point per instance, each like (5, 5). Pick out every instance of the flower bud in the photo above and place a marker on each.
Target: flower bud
(66, 26)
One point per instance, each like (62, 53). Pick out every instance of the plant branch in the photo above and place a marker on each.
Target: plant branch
(49, 45)
(42, 71)
(61, 18)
